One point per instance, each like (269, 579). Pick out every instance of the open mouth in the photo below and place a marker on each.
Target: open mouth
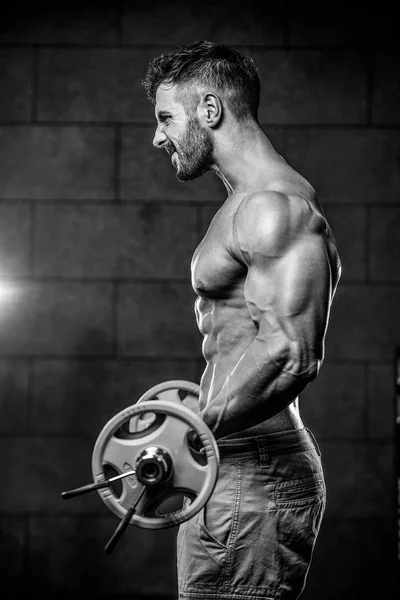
(171, 150)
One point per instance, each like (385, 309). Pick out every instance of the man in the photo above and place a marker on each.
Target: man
(265, 275)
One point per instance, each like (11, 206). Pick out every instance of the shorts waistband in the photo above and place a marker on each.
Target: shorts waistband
(272, 444)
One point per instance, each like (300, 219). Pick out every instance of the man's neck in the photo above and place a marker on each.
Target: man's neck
(243, 157)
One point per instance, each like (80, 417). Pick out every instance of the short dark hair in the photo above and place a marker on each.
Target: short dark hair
(222, 68)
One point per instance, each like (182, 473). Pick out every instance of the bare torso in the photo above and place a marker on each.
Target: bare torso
(218, 278)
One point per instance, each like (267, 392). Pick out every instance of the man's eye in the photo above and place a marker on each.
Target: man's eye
(164, 120)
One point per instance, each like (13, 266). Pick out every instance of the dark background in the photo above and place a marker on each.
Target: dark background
(96, 237)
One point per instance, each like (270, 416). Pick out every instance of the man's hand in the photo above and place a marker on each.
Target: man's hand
(195, 442)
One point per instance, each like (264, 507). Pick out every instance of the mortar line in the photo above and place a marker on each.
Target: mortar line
(119, 22)
(115, 301)
(27, 545)
(149, 124)
(366, 398)
(117, 163)
(30, 393)
(367, 245)
(34, 84)
(369, 88)
(31, 242)
(339, 47)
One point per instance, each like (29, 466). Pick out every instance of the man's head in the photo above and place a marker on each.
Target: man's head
(203, 79)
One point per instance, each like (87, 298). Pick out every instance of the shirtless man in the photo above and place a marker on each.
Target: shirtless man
(265, 275)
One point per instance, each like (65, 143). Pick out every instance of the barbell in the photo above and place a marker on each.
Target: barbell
(151, 454)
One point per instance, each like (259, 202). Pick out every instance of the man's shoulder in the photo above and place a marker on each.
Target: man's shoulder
(272, 213)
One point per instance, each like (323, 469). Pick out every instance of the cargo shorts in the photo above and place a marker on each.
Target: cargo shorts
(256, 535)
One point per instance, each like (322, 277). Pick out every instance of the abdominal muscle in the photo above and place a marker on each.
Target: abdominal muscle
(228, 331)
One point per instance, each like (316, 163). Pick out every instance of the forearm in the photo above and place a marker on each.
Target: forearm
(261, 385)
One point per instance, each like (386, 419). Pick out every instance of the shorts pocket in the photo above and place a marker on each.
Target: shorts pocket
(299, 492)
(217, 519)
(298, 529)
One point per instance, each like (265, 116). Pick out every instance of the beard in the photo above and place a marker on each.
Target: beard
(195, 152)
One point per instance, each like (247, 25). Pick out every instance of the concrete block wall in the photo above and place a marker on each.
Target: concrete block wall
(96, 237)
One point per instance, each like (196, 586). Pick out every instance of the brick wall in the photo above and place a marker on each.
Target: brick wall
(96, 237)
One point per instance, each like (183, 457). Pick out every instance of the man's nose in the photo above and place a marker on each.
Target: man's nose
(159, 138)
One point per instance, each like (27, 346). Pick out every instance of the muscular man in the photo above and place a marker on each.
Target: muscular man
(265, 275)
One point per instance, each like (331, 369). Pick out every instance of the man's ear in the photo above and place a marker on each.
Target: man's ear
(212, 110)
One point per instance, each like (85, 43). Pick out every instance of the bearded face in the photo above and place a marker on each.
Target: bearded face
(193, 153)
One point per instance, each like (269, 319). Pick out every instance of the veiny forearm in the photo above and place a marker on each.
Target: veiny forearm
(258, 388)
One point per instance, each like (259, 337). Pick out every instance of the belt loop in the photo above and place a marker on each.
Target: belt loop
(263, 452)
(314, 441)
